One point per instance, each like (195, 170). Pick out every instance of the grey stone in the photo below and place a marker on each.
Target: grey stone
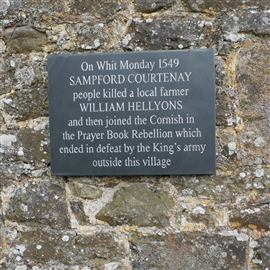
(27, 104)
(138, 205)
(172, 33)
(39, 6)
(261, 255)
(206, 5)
(256, 22)
(188, 251)
(39, 204)
(98, 249)
(218, 188)
(152, 5)
(3, 76)
(83, 189)
(91, 36)
(99, 8)
(251, 217)
(4, 6)
(34, 145)
(43, 246)
(2, 232)
(77, 209)
(60, 249)
(200, 214)
(253, 93)
(24, 39)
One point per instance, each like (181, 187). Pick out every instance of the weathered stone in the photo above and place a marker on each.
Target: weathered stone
(40, 247)
(2, 66)
(39, 204)
(98, 249)
(37, 5)
(91, 36)
(27, 104)
(252, 217)
(77, 209)
(188, 250)
(138, 205)
(24, 39)
(253, 83)
(35, 232)
(261, 255)
(206, 5)
(96, 7)
(219, 188)
(84, 190)
(257, 22)
(200, 214)
(1, 231)
(152, 5)
(222, 109)
(176, 33)
(4, 6)
(4, 78)
(53, 247)
(33, 145)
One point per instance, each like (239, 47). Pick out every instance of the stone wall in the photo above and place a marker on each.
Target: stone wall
(220, 221)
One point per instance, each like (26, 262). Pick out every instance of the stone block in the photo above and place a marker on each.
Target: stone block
(40, 6)
(27, 104)
(98, 8)
(209, 5)
(57, 249)
(24, 39)
(214, 187)
(34, 145)
(257, 22)
(4, 6)
(252, 217)
(253, 84)
(40, 204)
(91, 36)
(78, 211)
(152, 5)
(83, 189)
(172, 33)
(261, 256)
(188, 251)
(138, 205)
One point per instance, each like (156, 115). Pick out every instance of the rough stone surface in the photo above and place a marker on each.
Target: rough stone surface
(191, 251)
(24, 39)
(138, 205)
(83, 189)
(208, 5)
(4, 6)
(135, 222)
(252, 217)
(39, 204)
(34, 145)
(102, 8)
(21, 107)
(178, 33)
(77, 209)
(257, 22)
(261, 256)
(37, 5)
(152, 5)
(65, 248)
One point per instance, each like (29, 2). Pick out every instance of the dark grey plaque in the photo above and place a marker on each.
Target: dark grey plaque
(135, 113)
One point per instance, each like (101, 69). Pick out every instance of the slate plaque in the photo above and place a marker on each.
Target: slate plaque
(134, 113)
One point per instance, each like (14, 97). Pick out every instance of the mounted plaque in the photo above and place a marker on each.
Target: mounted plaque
(134, 113)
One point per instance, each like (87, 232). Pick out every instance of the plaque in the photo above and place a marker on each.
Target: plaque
(132, 113)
